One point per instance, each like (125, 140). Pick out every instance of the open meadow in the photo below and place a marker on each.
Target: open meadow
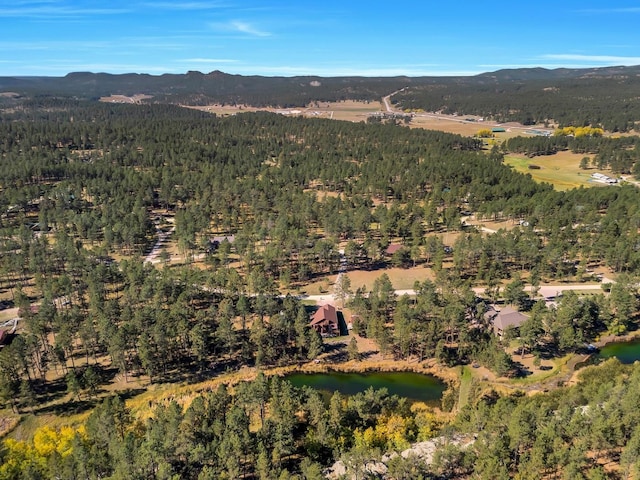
(401, 279)
(561, 170)
(348, 110)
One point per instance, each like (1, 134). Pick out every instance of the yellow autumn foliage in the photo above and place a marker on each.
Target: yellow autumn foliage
(485, 133)
(390, 433)
(368, 439)
(21, 456)
(580, 132)
(398, 432)
(395, 432)
(47, 440)
(426, 420)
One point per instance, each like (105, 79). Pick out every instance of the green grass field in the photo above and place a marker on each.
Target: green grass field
(466, 377)
(561, 170)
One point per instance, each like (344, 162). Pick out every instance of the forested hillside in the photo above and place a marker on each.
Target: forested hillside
(599, 97)
(604, 100)
(87, 189)
(195, 88)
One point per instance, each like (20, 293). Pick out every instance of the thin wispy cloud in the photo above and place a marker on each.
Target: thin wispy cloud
(249, 29)
(54, 45)
(208, 60)
(149, 43)
(600, 59)
(622, 10)
(185, 6)
(48, 10)
(237, 26)
(63, 67)
(353, 71)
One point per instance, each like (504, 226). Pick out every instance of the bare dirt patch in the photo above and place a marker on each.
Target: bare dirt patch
(489, 226)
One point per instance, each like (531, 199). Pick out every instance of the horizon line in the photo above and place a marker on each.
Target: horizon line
(354, 74)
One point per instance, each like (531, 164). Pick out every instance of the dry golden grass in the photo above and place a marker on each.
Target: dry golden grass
(8, 314)
(446, 124)
(8, 421)
(401, 278)
(349, 110)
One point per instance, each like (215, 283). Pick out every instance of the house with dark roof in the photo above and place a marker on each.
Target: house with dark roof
(489, 313)
(507, 317)
(325, 321)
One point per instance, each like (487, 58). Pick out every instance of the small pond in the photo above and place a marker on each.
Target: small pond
(413, 386)
(626, 352)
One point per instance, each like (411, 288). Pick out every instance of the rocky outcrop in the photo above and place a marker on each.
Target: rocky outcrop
(375, 468)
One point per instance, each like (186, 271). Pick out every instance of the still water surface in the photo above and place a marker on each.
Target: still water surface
(626, 352)
(413, 386)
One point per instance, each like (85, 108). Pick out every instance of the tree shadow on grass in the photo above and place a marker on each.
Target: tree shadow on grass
(520, 371)
(335, 352)
(78, 406)
(195, 372)
(342, 324)
(547, 351)
(363, 356)
(51, 390)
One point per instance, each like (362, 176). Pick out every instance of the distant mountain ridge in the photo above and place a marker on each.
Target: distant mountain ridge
(230, 87)
(539, 73)
(605, 96)
(196, 87)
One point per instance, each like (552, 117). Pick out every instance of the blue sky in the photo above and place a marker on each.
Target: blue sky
(323, 37)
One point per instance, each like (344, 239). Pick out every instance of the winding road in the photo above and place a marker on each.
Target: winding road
(532, 130)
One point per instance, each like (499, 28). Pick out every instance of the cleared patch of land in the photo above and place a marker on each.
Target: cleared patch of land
(355, 111)
(447, 123)
(561, 170)
(401, 278)
(138, 98)
(348, 110)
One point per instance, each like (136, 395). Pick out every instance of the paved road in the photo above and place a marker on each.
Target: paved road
(546, 291)
(630, 180)
(454, 118)
(387, 101)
